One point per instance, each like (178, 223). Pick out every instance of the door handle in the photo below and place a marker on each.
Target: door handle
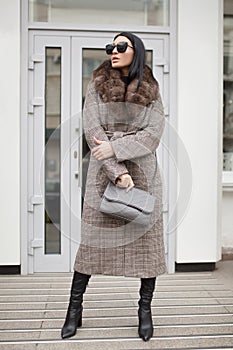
(76, 172)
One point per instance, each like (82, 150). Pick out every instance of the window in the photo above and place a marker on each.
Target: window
(101, 12)
(228, 88)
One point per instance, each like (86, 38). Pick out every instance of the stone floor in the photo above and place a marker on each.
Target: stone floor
(190, 311)
(224, 273)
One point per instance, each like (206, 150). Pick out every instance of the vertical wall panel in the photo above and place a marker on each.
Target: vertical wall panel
(9, 132)
(199, 113)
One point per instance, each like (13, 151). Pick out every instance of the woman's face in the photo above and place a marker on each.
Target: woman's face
(122, 60)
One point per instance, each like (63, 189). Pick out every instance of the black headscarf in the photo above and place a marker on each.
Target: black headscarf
(138, 63)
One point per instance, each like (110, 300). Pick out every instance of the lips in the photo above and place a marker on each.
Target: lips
(115, 59)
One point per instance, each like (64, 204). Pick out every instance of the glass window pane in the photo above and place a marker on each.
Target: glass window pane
(91, 59)
(101, 12)
(52, 150)
(228, 95)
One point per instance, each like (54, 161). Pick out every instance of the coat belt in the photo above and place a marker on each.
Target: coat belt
(114, 135)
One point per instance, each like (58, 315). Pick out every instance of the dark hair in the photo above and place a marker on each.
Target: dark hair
(138, 63)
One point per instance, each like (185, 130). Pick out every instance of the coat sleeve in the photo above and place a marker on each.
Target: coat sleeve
(92, 128)
(146, 140)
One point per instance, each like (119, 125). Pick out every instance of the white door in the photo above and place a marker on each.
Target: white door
(49, 158)
(60, 66)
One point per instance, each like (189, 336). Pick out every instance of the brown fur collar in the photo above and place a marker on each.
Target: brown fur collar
(111, 88)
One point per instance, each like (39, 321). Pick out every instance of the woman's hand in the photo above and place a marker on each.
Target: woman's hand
(103, 151)
(125, 181)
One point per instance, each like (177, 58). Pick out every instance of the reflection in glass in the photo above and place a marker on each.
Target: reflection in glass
(228, 95)
(52, 150)
(92, 58)
(101, 12)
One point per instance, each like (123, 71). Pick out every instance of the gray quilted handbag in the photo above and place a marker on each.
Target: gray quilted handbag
(136, 205)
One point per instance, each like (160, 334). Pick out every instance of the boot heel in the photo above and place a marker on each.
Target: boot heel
(79, 322)
(145, 329)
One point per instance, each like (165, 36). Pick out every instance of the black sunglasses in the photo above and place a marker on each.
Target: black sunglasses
(121, 47)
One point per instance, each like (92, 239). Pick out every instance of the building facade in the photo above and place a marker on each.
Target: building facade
(49, 49)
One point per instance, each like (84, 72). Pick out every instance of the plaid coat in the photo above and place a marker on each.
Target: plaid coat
(132, 119)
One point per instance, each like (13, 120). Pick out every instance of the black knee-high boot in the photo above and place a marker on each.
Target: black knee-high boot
(74, 312)
(145, 328)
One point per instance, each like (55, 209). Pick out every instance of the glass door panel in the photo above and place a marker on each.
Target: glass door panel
(52, 150)
(91, 59)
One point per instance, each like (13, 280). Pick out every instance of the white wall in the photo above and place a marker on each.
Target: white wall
(9, 132)
(199, 126)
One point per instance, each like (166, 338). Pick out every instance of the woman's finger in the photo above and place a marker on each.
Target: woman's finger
(131, 185)
(103, 151)
(98, 142)
(94, 150)
(123, 183)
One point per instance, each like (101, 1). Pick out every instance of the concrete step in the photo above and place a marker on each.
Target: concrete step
(156, 343)
(116, 332)
(98, 278)
(59, 284)
(158, 300)
(163, 320)
(62, 305)
(113, 311)
(189, 311)
(101, 295)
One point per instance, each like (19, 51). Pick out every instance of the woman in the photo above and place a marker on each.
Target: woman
(123, 124)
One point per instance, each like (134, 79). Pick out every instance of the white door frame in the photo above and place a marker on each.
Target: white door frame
(172, 177)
